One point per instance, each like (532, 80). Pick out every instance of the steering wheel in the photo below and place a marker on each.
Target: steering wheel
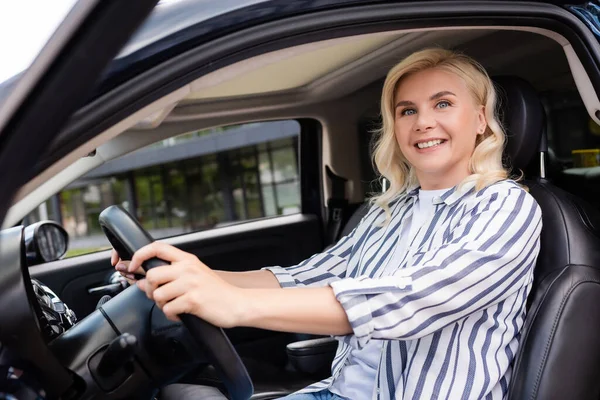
(127, 236)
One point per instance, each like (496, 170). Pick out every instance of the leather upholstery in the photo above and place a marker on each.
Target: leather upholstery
(559, 353)
(522, 116)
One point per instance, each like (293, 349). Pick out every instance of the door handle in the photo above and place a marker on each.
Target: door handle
(111, 289)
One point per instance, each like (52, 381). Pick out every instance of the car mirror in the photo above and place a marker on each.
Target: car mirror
(45, 241)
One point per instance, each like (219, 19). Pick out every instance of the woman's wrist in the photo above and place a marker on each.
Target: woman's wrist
(248, 311)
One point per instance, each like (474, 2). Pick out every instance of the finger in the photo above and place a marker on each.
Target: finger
(141, 284)
(180, 305)
(160, 250)
(126, 274)
(114, 257)
(130, 277)
(137, 272)
(122, 266)
(160, 276)
(170, 292)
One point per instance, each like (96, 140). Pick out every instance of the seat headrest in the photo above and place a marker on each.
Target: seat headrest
(523, 118)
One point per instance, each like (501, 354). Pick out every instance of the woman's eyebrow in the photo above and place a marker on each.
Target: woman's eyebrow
(404, 103)
(443, 93)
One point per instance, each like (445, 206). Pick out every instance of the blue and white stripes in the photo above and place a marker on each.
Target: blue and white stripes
(451, 312)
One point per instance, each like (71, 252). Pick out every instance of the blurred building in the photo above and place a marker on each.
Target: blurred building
(191, 182)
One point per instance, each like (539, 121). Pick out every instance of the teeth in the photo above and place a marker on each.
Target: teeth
(431, 143)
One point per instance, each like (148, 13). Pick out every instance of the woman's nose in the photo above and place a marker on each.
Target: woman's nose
(424, 122)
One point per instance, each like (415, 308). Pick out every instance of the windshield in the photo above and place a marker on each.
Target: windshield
(25, 27)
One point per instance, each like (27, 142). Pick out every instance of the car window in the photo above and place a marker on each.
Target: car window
(571, 131)
(573, 161)
(193, 182)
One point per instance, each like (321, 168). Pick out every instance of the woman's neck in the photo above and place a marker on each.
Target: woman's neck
(429, 181)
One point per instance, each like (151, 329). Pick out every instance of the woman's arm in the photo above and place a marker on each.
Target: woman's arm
(307, 310)
(262, 279)
(189, 286)
(489, 257)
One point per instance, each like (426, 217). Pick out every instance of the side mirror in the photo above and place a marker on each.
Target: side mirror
(45, 241)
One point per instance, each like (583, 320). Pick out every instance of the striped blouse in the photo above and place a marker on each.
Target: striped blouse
(451, 312)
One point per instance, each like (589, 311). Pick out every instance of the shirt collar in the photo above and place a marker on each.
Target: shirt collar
(449, 197)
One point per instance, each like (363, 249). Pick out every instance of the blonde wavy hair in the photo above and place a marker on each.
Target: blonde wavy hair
(486, 161)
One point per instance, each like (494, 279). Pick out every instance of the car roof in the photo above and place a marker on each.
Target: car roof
(198, 21)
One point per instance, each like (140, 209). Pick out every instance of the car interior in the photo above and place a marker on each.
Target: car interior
(332, 88)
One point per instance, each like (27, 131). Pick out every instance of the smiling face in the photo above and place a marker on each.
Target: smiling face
(436, 123)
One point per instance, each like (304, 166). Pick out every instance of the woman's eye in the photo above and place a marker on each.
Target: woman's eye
(408, 111)
(443, 104)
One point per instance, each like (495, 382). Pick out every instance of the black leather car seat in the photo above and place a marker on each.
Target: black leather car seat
(559, 353)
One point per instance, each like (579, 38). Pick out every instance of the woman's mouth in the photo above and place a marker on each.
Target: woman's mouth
(432, 144)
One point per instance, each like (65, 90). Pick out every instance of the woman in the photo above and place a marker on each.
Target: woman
(427, 295)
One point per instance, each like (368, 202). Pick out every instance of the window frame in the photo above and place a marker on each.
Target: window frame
(309, 167)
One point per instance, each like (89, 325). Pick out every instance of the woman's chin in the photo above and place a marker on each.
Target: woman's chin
(432, 167)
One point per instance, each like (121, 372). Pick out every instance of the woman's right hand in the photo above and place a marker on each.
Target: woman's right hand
(121, 267)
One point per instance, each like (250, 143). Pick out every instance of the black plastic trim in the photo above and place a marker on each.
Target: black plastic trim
(20, 329)
(311, 165)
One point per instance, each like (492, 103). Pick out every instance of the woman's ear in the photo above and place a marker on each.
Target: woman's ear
(482, 121)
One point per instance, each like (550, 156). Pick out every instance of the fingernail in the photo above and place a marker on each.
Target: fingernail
(121, 267)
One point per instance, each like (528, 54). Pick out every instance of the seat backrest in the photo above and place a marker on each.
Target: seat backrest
(559, 350)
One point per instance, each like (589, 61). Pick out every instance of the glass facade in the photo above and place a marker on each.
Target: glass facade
(232, 184)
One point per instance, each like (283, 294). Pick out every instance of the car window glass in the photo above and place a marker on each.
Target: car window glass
(573, 160)
(25, 27)
(196, 181)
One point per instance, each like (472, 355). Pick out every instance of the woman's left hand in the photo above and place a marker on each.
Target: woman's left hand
(188, 286)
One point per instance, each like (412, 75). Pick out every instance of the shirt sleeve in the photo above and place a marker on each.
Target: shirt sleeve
(489, 255)
(323, 268)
